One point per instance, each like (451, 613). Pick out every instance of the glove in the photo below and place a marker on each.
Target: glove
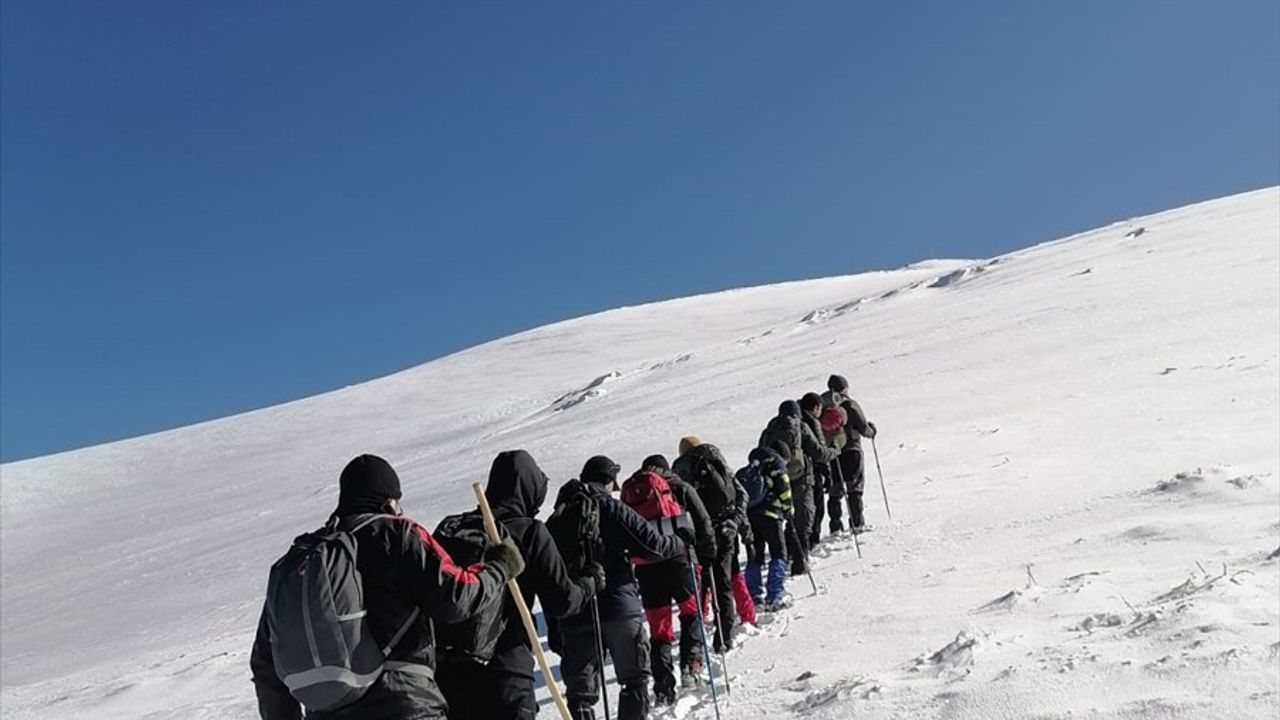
(686, 535)
(594, 575)
(871, 430)
(506, 557)
(725, 533)
(745, 534)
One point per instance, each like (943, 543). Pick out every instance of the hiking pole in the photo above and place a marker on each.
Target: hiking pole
(880, 472)
(604, 686)
(724, 634)
(804, 553)
(491, 526)
(706, 651)
(857, 544)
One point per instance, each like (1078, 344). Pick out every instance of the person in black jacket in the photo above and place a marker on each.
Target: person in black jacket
(672, 581)
(403, 569)
(850, 463)
(703, 466)
(623, 535)
(503, 688)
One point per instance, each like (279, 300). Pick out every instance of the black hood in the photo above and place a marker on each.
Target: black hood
(517, 486)
(789, 408)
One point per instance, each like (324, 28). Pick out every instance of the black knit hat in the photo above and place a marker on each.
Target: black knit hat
(811, 401)
(366, 484)
(656, 461)
(600, 470)
(837, 383)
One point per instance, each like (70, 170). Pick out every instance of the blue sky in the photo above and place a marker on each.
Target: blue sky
(213, 207)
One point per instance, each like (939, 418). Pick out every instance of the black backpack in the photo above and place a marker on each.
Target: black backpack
(711, 478)
(465, 539)
(575, 527)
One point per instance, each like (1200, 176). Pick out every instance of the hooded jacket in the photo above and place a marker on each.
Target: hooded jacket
(806, 448)
(855, 420)
(516, 490)
(402, 568)
(776, 504)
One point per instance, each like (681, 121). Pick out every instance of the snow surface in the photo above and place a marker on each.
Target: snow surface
(1081, 442)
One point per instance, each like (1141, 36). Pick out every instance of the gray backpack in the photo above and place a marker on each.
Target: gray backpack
(320, 639)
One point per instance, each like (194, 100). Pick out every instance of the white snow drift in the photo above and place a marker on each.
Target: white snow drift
(1080, 441)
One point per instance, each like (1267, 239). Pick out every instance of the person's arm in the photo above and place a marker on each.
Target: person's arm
(637, 536)
(813, 447)
(274, 700)
(784, 494)
(560, 594)
(857, 420)
(704, 542)
(445, 592)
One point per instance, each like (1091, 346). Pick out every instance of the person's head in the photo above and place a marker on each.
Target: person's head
(837, 384)
(789, 408)
(517, 486)
(689, 442)
(600, 470)
(811, 403)
(368, 484)
(656, 462)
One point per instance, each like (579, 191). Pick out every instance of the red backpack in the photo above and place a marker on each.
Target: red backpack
(649, 494)
(833, 419)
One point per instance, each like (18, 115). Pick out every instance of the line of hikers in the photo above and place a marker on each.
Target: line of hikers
(372, 616)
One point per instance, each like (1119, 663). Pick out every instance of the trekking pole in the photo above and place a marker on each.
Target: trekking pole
(804, 553)
(880, 472)
(706, 651)
(491, 526)
(604, 687)
(857, 544)
(724, 634)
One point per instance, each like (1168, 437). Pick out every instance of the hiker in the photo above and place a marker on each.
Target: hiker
(768, 471)
(388, 569)
(831, 421)
(703, 466)
(616, 535)
(487, 672)
(849, 466)
(790, 429)
(672, 580)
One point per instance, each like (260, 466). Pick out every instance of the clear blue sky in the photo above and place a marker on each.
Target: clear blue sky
(211, 207)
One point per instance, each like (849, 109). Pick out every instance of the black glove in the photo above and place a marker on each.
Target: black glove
(725, 533)
(686, 534)
(871, 430)
(595, 577)
(506, 557)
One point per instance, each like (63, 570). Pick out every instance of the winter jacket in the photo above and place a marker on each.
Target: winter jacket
(516, 490)
(624, 535)
(402, 568)
(806, 447)
(687, 467)
(704, 534)
(855, 420)
(776, 504)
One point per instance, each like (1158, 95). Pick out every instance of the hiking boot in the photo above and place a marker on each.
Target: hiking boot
(777, 604)
(690, 678)
(858, 530)
(662, 698)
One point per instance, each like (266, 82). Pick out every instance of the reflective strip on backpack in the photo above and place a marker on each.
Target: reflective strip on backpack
(352, 616)
(329, 673)
(400, 633)
(409, 668)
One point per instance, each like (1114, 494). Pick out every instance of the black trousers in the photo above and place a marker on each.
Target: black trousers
(719, 576)
(767, 534)
(849, 469)
(626, 640)
(822, 480)
(475, 692)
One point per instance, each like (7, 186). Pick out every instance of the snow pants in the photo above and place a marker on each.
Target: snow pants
(625, 640)
(475, 692)
(661, 584)
(802, 524)
(849, 469)
(768, 535)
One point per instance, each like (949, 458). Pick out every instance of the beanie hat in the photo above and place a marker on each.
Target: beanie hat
(656, 461)
(837, 383)
(789, 408)
(689, 442)
(366, 484)
(600, 470)
(811, 401)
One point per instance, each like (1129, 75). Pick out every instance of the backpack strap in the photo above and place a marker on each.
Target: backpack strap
(400, 633)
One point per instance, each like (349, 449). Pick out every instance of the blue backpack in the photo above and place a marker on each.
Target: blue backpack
(753, 482)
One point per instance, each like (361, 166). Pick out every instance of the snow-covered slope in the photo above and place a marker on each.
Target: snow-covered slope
(1081, 442)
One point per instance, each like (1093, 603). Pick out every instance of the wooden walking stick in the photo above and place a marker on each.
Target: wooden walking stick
(491, 526)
